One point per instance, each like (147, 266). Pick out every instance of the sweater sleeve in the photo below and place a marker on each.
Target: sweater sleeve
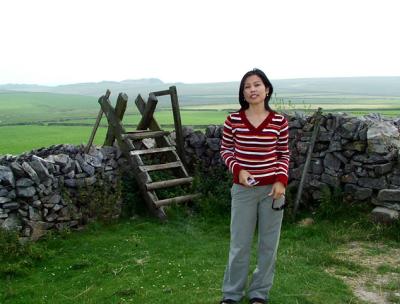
(283, 153)
(228, 148)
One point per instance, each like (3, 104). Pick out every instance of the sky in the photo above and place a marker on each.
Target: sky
(196, 41)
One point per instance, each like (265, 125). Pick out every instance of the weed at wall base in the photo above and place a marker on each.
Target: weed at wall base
(16, 258)
(100, 201)
(214, 184)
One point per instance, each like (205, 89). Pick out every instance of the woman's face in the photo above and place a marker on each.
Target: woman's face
(254, 90)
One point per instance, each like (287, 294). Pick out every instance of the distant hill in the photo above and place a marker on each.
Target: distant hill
(86, 88)
(374, 86)
(226, 92)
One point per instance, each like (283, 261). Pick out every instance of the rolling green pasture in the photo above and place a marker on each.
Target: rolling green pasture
(32, 107)
(18, 139)
(376, 105)
(22, 138)
(32, 120)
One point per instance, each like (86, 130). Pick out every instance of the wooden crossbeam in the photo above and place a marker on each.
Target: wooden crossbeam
(162, 93)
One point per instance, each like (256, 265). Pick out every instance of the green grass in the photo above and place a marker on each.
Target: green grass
(388, 268)
(181, 261)
(31, 107)
(18, 139)
(143, 261)
(59, 118)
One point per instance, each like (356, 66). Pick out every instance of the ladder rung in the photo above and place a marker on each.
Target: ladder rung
(176, 200)
(161, 166)
(144, 134)
(169, 183)
(153, 150)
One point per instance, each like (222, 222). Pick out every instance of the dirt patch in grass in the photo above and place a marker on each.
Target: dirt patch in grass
(376, 277)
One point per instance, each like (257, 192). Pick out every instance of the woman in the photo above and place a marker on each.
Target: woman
(255, 149)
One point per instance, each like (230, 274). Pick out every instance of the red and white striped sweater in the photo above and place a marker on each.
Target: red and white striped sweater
(262, 151)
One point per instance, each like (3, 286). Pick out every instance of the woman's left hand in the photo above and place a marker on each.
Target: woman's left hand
(277, 191)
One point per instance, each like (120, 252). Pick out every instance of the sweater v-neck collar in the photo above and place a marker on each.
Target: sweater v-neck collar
(266, 121)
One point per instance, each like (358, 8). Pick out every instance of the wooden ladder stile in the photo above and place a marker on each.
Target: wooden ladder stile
(132, 147)
(134, 161)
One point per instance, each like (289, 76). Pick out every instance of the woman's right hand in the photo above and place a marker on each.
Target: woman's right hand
(243, 176)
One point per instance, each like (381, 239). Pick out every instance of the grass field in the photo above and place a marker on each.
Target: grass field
(164, 117)
(183, 260)
(34, 120)
(378, 105)
(30, 107)
(18, 139)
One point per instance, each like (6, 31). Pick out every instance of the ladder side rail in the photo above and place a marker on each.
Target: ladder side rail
(182, 172)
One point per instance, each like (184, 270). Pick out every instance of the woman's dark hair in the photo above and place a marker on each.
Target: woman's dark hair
(244, 104)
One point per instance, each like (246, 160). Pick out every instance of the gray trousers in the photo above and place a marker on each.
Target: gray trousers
(250, 205)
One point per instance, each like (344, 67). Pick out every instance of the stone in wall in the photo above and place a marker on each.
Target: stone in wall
(384, 215)
(389, 198)
(382, 136)
(6, 176)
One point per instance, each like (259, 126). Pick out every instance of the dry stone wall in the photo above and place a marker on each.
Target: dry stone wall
(42, 190)
(358, 155)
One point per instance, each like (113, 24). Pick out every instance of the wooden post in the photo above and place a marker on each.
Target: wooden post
(308, 160)
(97, 123)
(178, 124)
(113, 120)
(148, 112)
(119, 111)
